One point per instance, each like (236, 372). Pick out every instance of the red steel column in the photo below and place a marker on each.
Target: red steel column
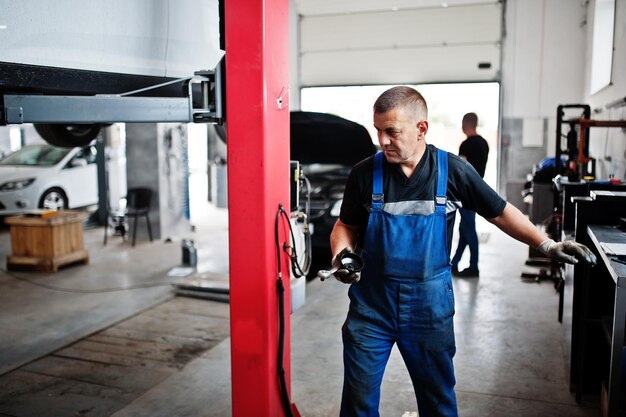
(257, 77)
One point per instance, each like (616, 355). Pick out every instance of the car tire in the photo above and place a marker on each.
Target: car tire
(53, 199)
(68, 136)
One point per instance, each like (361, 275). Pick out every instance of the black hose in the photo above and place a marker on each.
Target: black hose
(307, 232)
(281, 348)
(280, 289)
(280, 207)
(297, 269)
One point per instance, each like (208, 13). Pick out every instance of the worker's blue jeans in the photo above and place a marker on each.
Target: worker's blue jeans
(467, 237)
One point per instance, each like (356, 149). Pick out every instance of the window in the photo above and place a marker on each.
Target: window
(602, 49)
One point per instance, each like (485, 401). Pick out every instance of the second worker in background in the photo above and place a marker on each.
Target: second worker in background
(475, 150)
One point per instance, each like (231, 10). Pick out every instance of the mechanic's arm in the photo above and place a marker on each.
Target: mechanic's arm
(343, 236)
(512, 222)
(515, 224)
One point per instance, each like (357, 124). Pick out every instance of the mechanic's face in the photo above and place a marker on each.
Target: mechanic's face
(401, 135)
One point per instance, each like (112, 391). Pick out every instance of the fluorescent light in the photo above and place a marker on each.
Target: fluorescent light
(3, 26)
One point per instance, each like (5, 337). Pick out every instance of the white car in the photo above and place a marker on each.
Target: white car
(45, 176)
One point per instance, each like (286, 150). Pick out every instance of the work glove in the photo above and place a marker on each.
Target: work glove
(342, 274)
(568, 251)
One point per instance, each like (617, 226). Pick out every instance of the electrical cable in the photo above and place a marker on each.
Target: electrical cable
(291, 251)
(307, 231)
(280, 289)
(77, 291)
(154, 87)
(167, 39)
(298, 271)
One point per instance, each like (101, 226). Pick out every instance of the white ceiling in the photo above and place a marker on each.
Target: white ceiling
(349, 42)
(322, 7)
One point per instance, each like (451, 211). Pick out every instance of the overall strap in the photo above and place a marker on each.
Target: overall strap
(377, 189)
(442, 181)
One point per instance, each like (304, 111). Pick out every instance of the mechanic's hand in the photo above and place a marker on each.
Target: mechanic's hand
(568, 251)
(342, 274)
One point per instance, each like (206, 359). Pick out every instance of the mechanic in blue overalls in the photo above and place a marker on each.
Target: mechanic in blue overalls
(399, 207)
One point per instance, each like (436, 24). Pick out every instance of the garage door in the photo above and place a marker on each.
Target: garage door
(353, 42)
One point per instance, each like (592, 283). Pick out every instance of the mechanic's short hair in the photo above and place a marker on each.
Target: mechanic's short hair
(470, 120)
(402, 96)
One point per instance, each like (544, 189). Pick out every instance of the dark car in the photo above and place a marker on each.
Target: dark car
(327, 146)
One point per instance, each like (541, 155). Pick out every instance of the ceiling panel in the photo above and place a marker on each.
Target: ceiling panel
(364, 42)
(325, 7)
(400, 66)
(429, 27)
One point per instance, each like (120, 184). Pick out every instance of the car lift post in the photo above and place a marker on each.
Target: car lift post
(257, 85)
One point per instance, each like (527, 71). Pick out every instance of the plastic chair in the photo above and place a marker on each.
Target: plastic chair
(138, 204)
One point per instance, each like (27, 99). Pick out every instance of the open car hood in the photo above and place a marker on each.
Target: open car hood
(321, 138)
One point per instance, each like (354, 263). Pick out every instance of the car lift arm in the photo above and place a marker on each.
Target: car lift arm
(208, 108)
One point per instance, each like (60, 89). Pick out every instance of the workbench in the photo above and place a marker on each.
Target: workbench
(602, 321)
(570, 190)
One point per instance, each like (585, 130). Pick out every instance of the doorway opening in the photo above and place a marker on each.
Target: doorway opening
(447, 103)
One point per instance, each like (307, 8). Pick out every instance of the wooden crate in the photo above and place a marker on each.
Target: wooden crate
(47, 243)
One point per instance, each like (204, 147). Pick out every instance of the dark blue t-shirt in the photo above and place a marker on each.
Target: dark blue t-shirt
(476, 150)
(415, 195)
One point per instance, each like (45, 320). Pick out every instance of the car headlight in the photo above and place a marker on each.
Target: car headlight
(17, 184)
(336, 208)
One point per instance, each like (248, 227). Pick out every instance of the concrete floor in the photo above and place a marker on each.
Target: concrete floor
(510, 347)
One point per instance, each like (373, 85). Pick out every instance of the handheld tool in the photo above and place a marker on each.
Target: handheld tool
(349, 260)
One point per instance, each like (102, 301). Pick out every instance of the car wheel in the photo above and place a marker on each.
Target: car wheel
(53, 199)
(68, 136)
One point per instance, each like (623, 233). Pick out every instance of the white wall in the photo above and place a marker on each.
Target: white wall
(608, 145)
(546, 62)
(544, 55)
(543, 52)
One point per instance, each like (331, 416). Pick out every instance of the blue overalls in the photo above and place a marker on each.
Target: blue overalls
(405, 297)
